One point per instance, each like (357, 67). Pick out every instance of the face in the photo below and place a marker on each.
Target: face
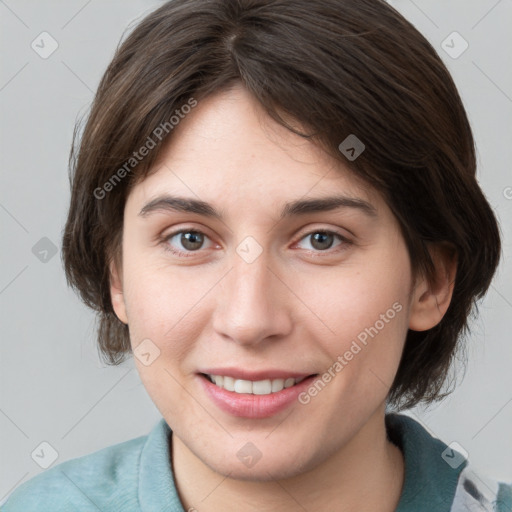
(258, 295)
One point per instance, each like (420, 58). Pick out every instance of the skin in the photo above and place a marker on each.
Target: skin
(295, 307)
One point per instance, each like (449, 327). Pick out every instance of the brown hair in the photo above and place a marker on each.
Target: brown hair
(338, 67)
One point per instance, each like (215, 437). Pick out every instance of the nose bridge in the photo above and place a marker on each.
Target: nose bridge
(250, 307)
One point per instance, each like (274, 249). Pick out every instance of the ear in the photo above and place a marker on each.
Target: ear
(430, 299)
(116, 292)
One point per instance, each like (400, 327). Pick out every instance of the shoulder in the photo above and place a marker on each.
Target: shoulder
(90, 482)
(439, 476)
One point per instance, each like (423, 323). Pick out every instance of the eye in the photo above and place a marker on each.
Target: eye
(191, 240)
(321, 240)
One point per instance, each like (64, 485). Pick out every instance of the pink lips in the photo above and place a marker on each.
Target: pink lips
(249, 405)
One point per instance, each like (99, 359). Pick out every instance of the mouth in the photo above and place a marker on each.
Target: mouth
(254, 387)
(253, 394)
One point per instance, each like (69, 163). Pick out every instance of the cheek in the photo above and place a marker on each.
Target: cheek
(159, 312)
(350, 300)
(164, 305)
(365, 309)
(147, 304)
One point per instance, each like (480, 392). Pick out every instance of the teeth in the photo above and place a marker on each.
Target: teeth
(277, 385)
(260, 387)
(219, 380)
(243, 386)
(288, 383)
(229, 383)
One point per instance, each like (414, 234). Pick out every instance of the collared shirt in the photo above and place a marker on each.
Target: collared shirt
(136, 476)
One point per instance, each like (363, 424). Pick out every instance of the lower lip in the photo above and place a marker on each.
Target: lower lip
(254, 406)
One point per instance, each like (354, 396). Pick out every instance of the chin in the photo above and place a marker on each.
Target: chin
(261, 471)
(261, 474)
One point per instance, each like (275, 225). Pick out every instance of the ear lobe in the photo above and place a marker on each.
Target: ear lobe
(431, 299)
(117, 294)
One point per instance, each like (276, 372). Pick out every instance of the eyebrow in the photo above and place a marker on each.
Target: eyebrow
(167, 203)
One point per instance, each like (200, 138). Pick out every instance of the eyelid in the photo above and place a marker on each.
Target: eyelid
(323, 229)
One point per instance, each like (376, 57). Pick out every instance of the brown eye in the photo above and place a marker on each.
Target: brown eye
(322, 243)
(185, 242)
(321, 240)
(191, 240)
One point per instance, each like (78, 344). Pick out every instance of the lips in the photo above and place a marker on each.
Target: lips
(253, 395)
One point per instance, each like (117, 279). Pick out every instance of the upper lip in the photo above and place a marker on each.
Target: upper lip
(237, 373)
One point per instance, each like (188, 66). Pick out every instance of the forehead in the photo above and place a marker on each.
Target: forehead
(229, 151)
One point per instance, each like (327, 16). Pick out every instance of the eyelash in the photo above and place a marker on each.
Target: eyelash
(316, 253)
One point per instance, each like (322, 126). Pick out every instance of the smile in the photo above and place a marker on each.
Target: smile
(259, 387)
(253, 399)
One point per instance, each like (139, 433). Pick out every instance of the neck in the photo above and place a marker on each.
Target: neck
(366, 474)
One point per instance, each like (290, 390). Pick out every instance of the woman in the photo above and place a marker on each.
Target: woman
(274, 209)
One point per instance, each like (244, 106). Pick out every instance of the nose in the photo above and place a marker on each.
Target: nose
(253, 304)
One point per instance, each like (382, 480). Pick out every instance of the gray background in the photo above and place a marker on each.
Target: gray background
(53, 386)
